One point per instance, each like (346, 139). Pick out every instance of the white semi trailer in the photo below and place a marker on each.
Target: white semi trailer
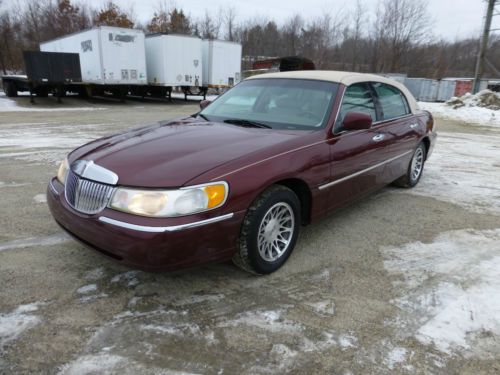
(174, 61)
(110, 57)
(221, 63)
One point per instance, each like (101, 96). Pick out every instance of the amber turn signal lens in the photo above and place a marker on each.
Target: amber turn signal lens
(216, 195)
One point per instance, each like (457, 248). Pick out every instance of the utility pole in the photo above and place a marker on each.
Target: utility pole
(484, 45)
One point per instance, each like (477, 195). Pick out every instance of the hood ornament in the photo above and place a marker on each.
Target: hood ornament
(91, 171)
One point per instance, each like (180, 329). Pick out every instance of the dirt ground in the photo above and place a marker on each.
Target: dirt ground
(362, 293)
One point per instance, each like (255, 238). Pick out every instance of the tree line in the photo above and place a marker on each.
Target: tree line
(395, 37)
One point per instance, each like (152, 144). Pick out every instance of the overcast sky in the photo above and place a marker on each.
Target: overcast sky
(451, 18)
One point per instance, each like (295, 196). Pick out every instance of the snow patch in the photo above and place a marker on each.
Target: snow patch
(191, 300)
(464, 169)
(450, 287)
(95, 274)
(13, 324)
(40, 198)
(87, 289)
(130, 278)
(177, 329)
(106, 363)
(54, 239)
(395, 356)
(269, 320)
(469, 115)
(93, 364)
(9, 105)
(326, 307)
(12, 184)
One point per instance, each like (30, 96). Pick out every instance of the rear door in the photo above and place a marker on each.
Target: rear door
(397, 127)
(355, 155)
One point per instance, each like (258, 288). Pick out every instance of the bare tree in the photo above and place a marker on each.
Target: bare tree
(229, 17)
(209, 26)
(358, 21)
(291, 34)
(404, 23)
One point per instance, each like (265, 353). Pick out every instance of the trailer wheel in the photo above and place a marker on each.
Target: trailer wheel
(10, 89)
(41, 92)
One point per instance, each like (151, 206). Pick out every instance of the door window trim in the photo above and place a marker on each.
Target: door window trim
(368, 83)
(379, 105)
(377, 123)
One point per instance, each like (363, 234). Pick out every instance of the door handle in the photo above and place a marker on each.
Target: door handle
(413, 126)
(378, 138)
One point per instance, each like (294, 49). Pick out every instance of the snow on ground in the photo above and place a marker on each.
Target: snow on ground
(35, 241)
(13, 324)
(469, 115)
(40, 198)
(42, 142)
(179, 95)
(449, 290)
(87, 289)
(106, 363)
(9, 105)
(464, 169)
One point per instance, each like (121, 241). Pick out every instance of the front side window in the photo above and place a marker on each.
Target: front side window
(392, 102)
(280, 103)
(357, 98)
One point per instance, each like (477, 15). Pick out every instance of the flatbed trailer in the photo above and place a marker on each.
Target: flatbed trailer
(46, 72)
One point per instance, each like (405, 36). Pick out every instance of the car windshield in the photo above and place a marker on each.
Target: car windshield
(275, 102)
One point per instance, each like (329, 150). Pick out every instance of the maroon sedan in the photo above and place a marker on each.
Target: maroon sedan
(238, 179)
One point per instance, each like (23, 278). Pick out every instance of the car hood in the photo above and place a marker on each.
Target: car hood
(171, 154)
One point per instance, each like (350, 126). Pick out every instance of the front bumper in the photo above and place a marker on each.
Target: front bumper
(147, 243)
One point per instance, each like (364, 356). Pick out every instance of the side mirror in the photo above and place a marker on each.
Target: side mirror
(204, 104)
(356, 121)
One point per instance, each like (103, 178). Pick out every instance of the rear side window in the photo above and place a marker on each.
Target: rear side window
(392, 101)
(357, 98)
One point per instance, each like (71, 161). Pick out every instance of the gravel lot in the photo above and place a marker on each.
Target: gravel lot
(401, 282)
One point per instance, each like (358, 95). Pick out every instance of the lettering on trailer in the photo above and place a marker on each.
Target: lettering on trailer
(125, 38)
(86, 45)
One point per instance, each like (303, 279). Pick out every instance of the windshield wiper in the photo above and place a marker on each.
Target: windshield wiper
(248, 123)
(202, 116)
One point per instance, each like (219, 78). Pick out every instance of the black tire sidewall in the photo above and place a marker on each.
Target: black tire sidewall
(258, 263)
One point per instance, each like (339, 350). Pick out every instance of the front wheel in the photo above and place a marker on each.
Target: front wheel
(269, 231)
(415, 168)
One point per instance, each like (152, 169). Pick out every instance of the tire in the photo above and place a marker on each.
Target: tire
(276, 203)
(42, 92)
(415, 168)
(10, 89)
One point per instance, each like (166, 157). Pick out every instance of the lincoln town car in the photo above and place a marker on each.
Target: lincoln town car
(238, 179)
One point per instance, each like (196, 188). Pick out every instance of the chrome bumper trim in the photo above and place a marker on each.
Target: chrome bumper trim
(173, 228)
(330, 184)
(53, 188)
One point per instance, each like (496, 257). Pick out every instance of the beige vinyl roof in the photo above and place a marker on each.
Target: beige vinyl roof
(346, 78)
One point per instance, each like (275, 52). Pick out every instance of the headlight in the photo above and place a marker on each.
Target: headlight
(170, 203)
(63, 171)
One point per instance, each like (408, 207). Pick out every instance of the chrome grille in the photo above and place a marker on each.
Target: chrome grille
(86, 196)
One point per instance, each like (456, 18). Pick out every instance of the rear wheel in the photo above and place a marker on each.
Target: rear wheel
(415, 168)
(269, 232)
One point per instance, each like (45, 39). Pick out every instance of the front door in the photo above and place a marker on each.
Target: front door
(356, 156)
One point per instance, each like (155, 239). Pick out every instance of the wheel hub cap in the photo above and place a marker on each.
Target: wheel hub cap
(276, 231)
(417, 163)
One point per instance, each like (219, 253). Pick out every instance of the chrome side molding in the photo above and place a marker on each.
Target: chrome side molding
(333, 183)
(174, 228)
